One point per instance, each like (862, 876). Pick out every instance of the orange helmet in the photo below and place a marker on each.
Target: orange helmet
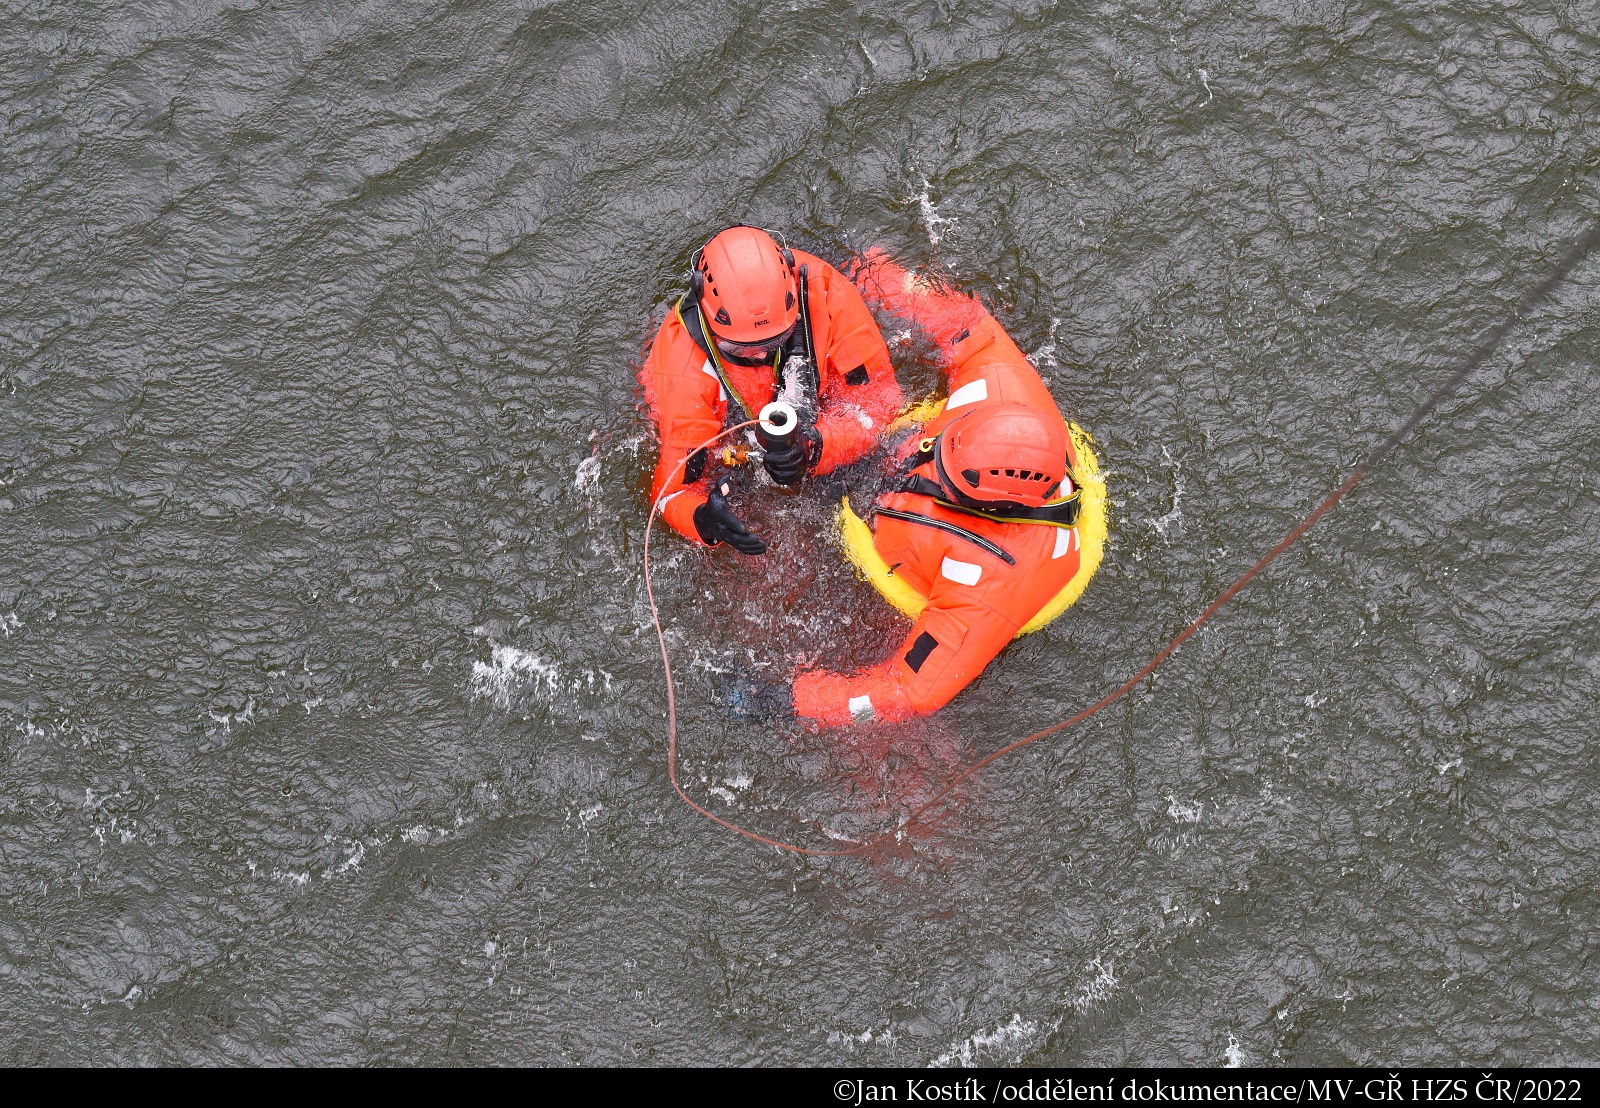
(1003, 455)
(745, 285)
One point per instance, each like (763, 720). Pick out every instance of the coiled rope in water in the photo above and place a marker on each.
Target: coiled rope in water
(1480, 353)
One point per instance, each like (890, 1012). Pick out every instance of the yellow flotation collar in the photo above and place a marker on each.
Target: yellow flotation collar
(1091, 527)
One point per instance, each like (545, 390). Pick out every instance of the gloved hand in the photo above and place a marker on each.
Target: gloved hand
(716, 522)
(750, 699)
(788, 465)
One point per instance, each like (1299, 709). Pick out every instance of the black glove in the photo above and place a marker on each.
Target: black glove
(750, 699)
(716, 522)
(789, 464)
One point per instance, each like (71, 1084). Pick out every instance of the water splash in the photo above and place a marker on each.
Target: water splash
(931, 218)
(1045, 356)
(1159, 526)
(587, 478)
(510, 672)
(1099, 987)
(1009, 1040)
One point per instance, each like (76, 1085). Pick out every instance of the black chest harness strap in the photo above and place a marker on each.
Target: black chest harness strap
(951, 529)
(695, 327)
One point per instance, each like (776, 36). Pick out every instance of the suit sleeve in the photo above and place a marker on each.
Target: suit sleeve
(687, 409)
(860, 395)
(947, 647)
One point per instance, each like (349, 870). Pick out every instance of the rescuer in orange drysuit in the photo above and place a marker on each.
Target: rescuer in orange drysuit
(757, 317)
(979, 520)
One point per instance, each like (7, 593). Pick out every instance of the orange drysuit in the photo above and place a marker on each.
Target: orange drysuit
(687, 386)
(984, 578)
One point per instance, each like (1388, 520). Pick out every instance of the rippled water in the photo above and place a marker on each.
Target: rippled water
(332, 728)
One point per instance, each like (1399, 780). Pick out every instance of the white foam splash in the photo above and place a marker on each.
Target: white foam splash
(930, 215)
(1045, 356)
(352, 860)
(9, 623)
(510, 671)
(1011, 1039)
(1097, 988)
(849, 1040)
(1184, 812)
(422, 835)
(229, 719)
(587, 478)
(1159, 526)
(1233, 1057)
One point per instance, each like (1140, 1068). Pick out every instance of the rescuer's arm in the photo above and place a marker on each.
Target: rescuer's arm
(860, 395)
(684, 407)
(681, 499)
(982, 362)
(985, 364)
(947, 647)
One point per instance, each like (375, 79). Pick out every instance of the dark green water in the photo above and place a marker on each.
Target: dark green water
(318, 326)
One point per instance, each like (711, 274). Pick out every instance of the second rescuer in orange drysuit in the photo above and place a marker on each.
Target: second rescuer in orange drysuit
(756, 313)
(981, 521)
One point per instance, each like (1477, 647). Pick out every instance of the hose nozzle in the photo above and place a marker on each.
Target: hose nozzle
(778, 427)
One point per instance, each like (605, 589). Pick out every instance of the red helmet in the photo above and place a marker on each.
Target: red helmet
(745, 284)
(1003, 454)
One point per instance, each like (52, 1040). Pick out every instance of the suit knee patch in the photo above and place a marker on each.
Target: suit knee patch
(919, 651)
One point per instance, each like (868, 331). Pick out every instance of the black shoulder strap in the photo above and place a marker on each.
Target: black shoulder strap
(921, 486)
(692, 323)
(690, 313)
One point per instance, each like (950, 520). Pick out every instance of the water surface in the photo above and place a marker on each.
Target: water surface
(331, 729)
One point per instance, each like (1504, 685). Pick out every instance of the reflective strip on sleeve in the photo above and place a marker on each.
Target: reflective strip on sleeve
(969, 393)
(861, 709)
(1064, 537)
(709, 371)
(962, 573)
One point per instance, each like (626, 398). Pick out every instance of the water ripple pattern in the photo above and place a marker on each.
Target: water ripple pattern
(330, 722)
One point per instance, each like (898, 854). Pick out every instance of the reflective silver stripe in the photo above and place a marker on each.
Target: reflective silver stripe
(962, 573)
(969, 393)
(710, 371)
